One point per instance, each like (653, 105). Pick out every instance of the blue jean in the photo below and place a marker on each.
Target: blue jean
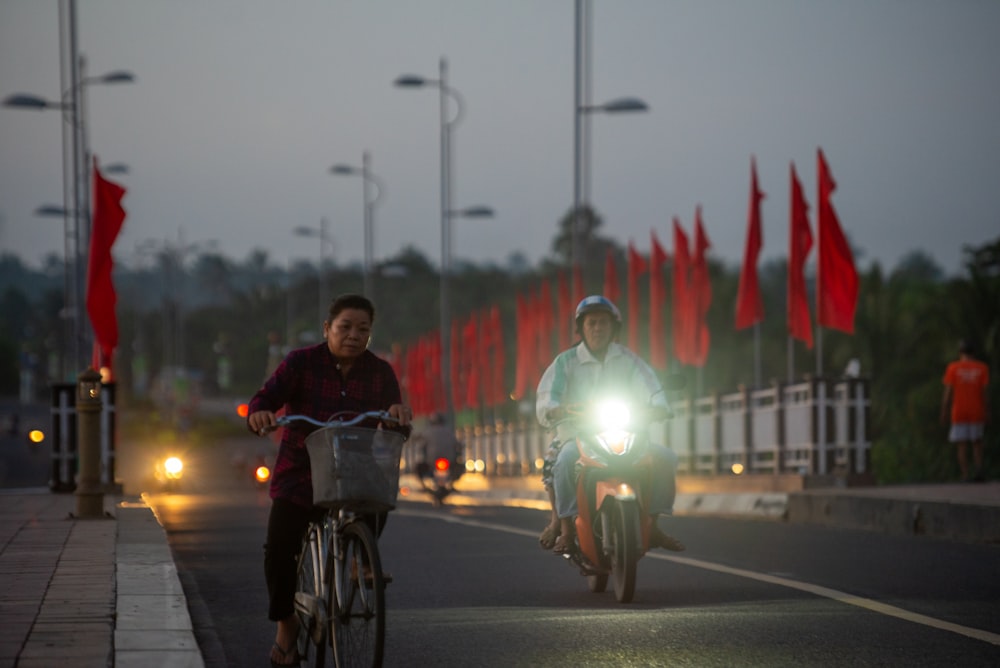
(663, 466)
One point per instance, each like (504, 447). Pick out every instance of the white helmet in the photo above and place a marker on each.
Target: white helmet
(593, 304)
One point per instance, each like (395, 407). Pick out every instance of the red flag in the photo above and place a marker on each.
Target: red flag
(471, 366)
(701, 293)
(800, 238)
(108, 217)
(545, 318)
(434, 381)
(837, 277)
(483, 359)
(749, 305)
(636, 267)
(657, 299)
(681, 315)
(611, 276)
(526, 346)
(499, 392)
(564, 313)
(457, 394)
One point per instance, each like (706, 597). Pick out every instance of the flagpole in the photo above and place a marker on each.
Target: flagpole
(819, 351)
(756, 355)
(791, 360)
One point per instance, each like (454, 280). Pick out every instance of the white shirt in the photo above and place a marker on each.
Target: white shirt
(576, 377)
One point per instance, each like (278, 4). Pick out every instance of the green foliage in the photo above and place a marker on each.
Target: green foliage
(907, 327)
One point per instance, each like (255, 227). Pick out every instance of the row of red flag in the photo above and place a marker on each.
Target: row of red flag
(836, 275)
(477, 362)
(477, 354)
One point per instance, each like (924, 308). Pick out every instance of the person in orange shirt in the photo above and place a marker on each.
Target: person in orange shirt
(965, 383)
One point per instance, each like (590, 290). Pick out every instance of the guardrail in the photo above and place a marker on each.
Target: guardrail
(814, 427)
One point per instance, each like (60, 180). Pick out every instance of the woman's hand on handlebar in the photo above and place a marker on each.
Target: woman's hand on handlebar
(262, 422)
(401, 413)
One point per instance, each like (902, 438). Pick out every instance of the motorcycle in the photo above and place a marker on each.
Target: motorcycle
(168, 472)
(613, 492)
(437, 479)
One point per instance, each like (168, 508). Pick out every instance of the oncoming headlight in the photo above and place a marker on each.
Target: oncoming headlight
(613, 416)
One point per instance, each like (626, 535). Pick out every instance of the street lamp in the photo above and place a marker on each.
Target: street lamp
(447, 212)
(305, 231)
(581, 107)
(369, 218)
(172, 256)
(72, 104)
(581, 182)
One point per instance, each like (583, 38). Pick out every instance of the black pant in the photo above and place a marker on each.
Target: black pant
(286, 526)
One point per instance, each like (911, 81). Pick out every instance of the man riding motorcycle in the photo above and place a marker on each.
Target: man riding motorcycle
(595, 366)
(437, 441)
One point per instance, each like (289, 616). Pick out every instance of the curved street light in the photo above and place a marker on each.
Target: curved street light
(369, 214)
(447, 212)
(72, 104)
(321, 233)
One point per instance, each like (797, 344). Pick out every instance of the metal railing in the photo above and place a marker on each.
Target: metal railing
(813, 427)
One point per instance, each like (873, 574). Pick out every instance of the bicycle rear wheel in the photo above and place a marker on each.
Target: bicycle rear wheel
(310, 601)
(358, 596)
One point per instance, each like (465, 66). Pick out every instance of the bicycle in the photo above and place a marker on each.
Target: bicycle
(340, 591)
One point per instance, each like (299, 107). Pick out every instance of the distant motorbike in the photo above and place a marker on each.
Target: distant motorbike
(613, 490)
(261, 472)
(168, 472)
(257, 469)
(437, 478)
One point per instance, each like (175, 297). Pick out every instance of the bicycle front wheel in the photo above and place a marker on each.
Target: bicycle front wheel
(358, 598)
(311, 602)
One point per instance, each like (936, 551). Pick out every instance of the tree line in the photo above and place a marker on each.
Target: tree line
(222, 319)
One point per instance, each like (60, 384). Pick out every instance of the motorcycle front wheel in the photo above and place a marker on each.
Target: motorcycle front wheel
(624, 549)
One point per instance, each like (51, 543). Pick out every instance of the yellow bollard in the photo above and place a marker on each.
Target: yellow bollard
(89, 493)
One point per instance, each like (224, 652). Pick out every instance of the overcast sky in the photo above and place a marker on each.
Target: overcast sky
(241, 106)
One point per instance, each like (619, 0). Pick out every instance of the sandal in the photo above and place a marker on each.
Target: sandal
(547, 539)
(285, 654)
(659, 539)
(564, 544)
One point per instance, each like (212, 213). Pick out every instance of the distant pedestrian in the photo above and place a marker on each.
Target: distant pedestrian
(965, 382)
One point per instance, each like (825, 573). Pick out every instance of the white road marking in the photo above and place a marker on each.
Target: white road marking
(816, 590)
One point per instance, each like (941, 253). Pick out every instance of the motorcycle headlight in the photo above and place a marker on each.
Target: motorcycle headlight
(613, 418)
(613, 415)
(173, 467)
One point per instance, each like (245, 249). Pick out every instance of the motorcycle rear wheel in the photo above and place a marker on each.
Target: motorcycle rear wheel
(624, 549)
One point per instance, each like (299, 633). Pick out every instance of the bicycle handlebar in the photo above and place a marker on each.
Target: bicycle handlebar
(286, 420)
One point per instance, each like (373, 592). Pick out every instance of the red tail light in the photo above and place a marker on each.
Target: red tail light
(442, 464)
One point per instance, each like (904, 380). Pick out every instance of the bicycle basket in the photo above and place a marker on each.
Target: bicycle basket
(355, 466)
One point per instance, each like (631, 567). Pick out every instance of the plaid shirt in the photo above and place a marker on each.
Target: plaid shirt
(309, 382)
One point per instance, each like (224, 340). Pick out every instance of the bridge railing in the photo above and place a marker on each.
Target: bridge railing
(813, 427)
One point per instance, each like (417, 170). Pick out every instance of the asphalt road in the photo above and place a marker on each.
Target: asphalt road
(472, 588)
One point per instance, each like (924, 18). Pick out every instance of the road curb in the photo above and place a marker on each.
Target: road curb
(153, 626)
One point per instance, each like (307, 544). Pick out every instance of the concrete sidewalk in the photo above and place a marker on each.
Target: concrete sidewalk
(88, 592)
(105, 592)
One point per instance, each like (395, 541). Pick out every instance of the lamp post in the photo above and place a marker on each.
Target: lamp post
(172, 257)
(305, 231)
(447, 212)
(581, 134)
(369, 214)
(72, 104)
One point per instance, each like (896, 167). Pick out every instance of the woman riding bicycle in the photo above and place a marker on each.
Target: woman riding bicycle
(338, 375)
